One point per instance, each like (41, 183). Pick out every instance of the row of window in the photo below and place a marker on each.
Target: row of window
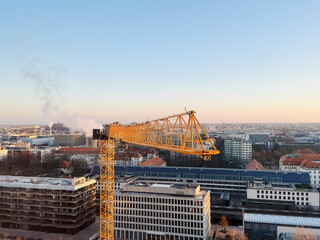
(123, 213)
(282, 192)
(182, 222)
(158, 228)
(284, 198)
(152, 200)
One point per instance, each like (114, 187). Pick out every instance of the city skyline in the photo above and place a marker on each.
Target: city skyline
(133, 61)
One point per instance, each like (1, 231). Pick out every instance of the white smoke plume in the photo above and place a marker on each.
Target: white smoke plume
(50, 91)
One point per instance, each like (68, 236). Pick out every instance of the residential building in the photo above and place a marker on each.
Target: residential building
(304, 163)
(299, 194)
(238, 150)
(90, 155)
(162, 211)
(57, 205)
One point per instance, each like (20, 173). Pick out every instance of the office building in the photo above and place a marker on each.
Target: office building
(162, 212)
(299, 194)
(56, 205)
(217, 180)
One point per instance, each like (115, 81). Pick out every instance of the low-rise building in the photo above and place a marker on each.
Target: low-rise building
(273, 227)
(302, 163)
(300, 194)
(162, 211)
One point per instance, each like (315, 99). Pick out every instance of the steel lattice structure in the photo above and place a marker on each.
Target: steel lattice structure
(180, 133)
(107, 189)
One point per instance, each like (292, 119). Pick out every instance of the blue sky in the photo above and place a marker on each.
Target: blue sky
(231, 61)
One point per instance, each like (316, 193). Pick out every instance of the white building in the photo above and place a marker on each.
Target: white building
(302, 163)
(162, 211)
(3, 152)
(299, 194)
(238, 150)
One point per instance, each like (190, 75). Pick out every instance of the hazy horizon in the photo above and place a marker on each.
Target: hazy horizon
(86, 64)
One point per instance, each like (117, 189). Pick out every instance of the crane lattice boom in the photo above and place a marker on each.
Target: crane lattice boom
(180, 133)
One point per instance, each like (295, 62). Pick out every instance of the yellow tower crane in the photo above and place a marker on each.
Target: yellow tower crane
(179, 133)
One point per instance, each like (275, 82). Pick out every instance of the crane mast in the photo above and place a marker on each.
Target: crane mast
(180, 133)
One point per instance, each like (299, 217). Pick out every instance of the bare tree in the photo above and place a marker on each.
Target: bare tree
(304, 234)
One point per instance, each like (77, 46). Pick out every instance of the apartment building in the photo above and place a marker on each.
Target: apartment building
(302, 163)
(238, 150)
(56, 205)
(162, 212)
(300, 194)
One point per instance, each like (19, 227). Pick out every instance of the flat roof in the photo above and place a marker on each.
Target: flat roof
(210, 173)
(44, 183)
(282, 220)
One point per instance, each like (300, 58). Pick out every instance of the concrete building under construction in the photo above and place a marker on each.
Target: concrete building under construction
(46, 204)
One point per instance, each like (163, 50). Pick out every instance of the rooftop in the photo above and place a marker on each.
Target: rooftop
(210, 173)
(44, 183)
(157, 161)
(282, 220)
(254, 165)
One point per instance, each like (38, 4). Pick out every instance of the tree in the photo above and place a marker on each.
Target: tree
(224, 223)
(304, 234)
(235, 235)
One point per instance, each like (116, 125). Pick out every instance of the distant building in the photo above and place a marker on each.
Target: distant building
(299, 194)
(259, 147)
(259, 138)
(56, 205)
(90, 155)
(3, 152)
(162, 211)
(39, 141)
(69, 140)
(127, 159)
(238, 150)
(157, 161)
(254, 165)
(288, 148)
(304, 163)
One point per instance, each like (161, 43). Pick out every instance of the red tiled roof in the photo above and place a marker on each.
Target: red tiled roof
(254, 165)
(305, 160)
(157, 161)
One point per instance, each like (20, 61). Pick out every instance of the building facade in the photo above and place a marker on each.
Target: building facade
(54, 205)
(303, 195)
(302, 163)
(238, 150)
(162, 212)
